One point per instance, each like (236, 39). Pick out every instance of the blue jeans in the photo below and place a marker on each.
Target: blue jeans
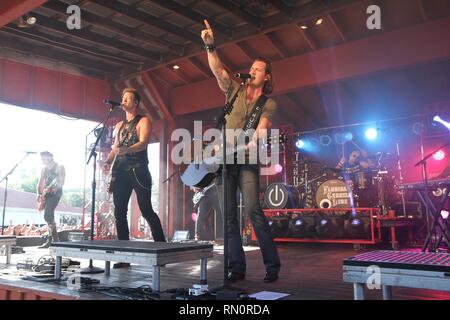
(246, 177)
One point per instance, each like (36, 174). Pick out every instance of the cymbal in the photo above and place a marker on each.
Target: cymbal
(335, 170)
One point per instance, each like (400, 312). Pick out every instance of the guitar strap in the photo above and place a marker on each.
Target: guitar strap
(253, 120)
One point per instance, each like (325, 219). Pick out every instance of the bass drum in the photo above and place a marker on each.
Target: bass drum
(334, 194)
(281, 196)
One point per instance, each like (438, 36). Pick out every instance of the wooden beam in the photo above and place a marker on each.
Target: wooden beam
(423, 12)
(16, 44)
(109, 25)
(179, 75)
(336, 27)
(149, 20)
(240, 12)
(388, 50)
(206, 72)
(276, 45)
(306, 37)
(67, 45)
(151, 86)
(281, 6)
(192, 15)
(96, 38)
(10, 10)
(249, 54)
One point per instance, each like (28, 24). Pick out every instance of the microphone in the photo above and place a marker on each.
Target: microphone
(244, 76)
(112, 103)
(30, 152)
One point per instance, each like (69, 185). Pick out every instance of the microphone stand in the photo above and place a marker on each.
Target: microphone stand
(6, 177)
(221, 121)
(91, 269)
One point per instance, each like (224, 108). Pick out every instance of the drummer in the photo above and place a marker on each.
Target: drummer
(358, 161)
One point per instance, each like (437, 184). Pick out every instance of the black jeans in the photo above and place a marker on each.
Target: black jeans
(246, 177)
(50, 205)
(139, 180)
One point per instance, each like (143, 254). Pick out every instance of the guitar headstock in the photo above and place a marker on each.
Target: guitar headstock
(279, 139)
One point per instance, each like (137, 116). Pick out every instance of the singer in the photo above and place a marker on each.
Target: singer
(130, 170)
(246, 176)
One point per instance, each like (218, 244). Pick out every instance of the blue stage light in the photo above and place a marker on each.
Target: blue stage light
(371, 133)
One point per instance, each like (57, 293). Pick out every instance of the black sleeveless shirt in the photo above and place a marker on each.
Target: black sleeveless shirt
(127, 137)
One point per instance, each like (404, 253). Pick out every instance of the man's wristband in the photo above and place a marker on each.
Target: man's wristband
(210, 47)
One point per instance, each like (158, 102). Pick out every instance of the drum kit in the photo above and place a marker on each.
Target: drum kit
(315, 185)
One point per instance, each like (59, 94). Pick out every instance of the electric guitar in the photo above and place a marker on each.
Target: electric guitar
(42, 198)
(111, 179)
(201, 193)
(200, 175)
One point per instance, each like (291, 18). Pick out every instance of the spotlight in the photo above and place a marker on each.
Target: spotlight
(325, 140)
(441, 121)
(278, 168)
(303, 26)
(439, 155)
(300, 144)
(302, 227)
(418, 128)
(371, 133)
(31, 20)
(279, 226)
(356, 227)
(176, 67)
(444, 214)
(319, 21)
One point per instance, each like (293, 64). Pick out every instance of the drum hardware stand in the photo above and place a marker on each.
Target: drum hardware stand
(400, 175)
(295, 181)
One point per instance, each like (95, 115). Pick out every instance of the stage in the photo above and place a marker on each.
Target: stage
(309, 272)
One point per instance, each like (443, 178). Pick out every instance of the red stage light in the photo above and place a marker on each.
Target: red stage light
(439, 155)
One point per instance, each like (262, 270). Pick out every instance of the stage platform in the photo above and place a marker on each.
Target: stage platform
(309, 272)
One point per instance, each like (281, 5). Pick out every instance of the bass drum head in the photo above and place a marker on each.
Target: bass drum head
(334, 194)
(281, 196)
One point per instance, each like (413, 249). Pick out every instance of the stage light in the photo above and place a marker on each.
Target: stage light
(303, 26)
(441, 121)
(279, 226)
(319, 21)
(444, 214)
(439, 155)
(302, 227)
(325, 140)
(31, 20)
(371, 134)
(330, 226)
(418, 128)
(300, 144)
(278, 168)
(176, 67)
(356, 227)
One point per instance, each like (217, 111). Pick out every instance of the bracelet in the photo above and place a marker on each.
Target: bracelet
(210, 47)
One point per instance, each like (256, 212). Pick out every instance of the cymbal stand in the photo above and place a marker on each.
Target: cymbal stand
(400, 177)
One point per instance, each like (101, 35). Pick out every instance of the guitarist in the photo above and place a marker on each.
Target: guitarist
(49, 190)
(130, 169)
(207, 202)
(246, 176)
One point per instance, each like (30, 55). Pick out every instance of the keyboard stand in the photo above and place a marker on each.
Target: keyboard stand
(437, 222)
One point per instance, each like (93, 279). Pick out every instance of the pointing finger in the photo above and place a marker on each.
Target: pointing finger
(207, 24)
